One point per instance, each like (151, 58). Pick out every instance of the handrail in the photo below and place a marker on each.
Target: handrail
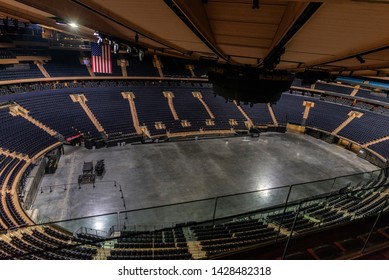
(328, 195)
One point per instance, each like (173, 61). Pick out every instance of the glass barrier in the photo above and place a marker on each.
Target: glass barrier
(294, 210)
(227, 206)
(167, 216)
(154, 218)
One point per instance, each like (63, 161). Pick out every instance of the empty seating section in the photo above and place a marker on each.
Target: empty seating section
(15, 172)
(372, 95)
(167, 244)
(19, 135)
(286, 220)
(4, 54)
(382, 110)
(10, 170)
(327, 116)
(39, 244)
(189, 108)
(142, 68)
(60, 112)
(297, 83)
(14, 212)
(334, 88)
(339, 100)
(20, 71)
(174, 67)
(381, 148)
(289, 109)
(55, 109)
(200, 68)
(369, 127)
(232, 235)
(7, 165)
(152, 107)
(339, 249)
(259, 113)
(112, 111)
(65, 65)
(30, 52)
(223, 111)
(364, 106)
(4, 217)
(155, 254)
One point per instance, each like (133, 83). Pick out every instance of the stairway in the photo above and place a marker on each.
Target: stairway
(17, 110)
(194, 246)
(42, 69)
(130, 97)
(248, 119)
(81, 99)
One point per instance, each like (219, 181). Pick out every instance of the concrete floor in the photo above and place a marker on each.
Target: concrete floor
(167, 173)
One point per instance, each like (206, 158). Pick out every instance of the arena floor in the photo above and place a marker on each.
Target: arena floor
(174, 172)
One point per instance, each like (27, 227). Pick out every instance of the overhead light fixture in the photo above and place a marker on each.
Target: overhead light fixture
(141, 55)
(128, 49)
(96, 33)
(73, 24)
(115, 47)
(360, 59)
(99, 40)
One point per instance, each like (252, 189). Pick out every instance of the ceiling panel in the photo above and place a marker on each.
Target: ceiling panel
(236, 12)
(338, 30)
(341, 29)
(157, 18)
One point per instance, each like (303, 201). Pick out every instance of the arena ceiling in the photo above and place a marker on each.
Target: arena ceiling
(349, 37)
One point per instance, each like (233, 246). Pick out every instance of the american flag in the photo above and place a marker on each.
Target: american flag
(101, 58)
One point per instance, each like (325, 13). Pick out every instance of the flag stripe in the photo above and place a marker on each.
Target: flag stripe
(101, 58)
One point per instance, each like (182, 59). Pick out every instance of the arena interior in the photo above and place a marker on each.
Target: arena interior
(184, 130)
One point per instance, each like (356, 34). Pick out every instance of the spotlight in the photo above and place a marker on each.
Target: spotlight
(96, 33)
(141, 55)
(99, 40)
(360, 59)
(73, 24)
(128, 49)
(115, 47)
